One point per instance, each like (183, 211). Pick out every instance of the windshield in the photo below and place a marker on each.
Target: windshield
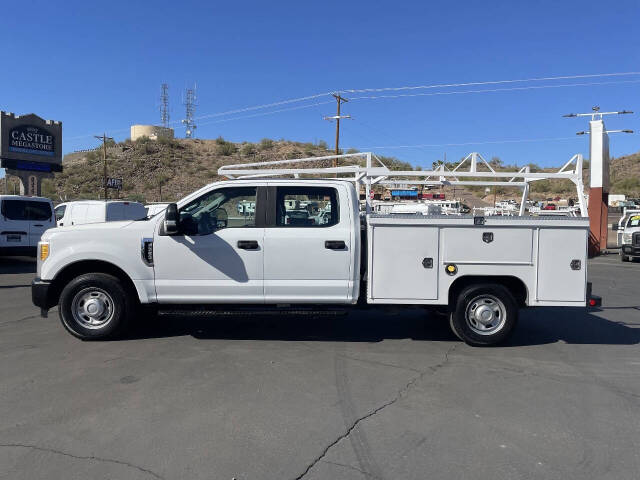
(634, 221)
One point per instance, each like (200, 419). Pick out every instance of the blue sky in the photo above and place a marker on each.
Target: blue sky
(100, 68)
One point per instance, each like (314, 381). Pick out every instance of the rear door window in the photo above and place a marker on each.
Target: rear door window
(306, 207)
(39, 211)
(15, 209)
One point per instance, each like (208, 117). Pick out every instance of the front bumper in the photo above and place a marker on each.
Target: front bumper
(41, 294)
(631, 250)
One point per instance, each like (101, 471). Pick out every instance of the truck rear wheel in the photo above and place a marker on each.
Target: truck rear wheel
(95, 306)
(484, 315)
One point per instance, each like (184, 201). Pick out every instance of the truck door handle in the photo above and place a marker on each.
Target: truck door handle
(248, 244)
(335, 245)
(38, 225)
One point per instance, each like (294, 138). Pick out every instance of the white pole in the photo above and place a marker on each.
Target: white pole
(367, 188)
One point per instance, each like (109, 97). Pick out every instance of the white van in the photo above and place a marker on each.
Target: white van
(22, 221)
(97, 211)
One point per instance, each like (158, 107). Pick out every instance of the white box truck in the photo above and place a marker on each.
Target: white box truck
(205, 252)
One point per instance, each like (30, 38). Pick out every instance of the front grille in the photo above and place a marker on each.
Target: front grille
(636, 239)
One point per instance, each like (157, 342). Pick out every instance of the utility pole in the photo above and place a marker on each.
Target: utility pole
(337, 117)
(104, 139)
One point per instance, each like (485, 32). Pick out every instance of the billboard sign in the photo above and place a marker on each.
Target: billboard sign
(31, 139)
(28, 142)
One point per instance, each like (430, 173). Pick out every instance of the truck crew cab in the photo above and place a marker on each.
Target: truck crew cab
(307, 243)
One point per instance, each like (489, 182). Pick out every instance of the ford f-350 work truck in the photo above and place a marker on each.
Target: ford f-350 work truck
(307, 243)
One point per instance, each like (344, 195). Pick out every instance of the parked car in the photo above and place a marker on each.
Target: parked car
(22, 221)
(481, 270)
(549, 206)
(97, 211)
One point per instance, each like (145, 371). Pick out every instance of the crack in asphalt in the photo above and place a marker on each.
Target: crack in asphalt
(82, 457)
(375, 362)
(351, 467)
(399, 395)
(20, 319)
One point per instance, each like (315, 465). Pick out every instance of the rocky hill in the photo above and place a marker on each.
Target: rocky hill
(166, 170)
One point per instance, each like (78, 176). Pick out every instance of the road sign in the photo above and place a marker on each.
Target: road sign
(114, 183)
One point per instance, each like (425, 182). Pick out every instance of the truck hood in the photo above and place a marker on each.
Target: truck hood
(87, 228)
(631, 230)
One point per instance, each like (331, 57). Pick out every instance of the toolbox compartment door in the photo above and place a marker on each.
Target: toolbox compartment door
(404, 263)
(557, 249)
(488, 245)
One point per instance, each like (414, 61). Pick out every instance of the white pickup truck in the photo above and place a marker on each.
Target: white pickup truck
(628, 229)
(205, 251)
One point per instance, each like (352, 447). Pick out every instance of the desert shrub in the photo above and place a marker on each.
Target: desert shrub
(266, 144)
(248, 149)
(226, 148)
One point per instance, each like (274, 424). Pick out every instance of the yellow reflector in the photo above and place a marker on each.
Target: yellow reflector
(44, 251)
(451, 269)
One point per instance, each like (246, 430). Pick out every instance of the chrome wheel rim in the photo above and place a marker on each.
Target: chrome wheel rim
(92, 308)
(486, 314)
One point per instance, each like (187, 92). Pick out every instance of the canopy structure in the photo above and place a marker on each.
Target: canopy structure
(367, 169)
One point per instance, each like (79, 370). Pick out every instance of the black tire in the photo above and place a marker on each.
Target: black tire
(502, 315)
(624, 258)
(101, 304)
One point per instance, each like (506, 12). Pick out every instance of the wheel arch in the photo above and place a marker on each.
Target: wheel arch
(75, 269)
(514, 284)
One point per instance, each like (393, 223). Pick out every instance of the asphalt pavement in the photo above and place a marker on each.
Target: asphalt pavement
(374, 394)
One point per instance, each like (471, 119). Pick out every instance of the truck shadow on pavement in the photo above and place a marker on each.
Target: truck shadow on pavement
(536, 327)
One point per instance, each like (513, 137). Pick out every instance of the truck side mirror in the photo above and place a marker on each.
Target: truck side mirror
(172, 220)
(614, 226)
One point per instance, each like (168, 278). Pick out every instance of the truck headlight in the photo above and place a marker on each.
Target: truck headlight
(44, 251)
(626, 238)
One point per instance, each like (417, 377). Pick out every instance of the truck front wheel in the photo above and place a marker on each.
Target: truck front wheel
(95, 306)
(624, 258)
(484, 314)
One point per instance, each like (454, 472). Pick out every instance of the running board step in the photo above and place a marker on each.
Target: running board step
(249, 313)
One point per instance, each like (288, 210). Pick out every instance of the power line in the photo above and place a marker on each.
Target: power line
(461, 92)
(324, 94)
(320, 95)
(266, 113)
(494, 82)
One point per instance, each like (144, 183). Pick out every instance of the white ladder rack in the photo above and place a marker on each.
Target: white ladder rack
(369, 175)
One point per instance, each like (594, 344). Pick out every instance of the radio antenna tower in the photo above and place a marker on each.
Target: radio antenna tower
(190, 110)
(164, 105)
